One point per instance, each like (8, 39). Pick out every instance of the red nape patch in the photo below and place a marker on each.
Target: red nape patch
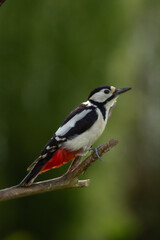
(59, 157)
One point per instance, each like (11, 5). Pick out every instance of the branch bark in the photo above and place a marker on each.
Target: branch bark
(68, 180)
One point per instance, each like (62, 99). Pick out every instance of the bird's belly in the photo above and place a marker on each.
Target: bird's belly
(86, 139)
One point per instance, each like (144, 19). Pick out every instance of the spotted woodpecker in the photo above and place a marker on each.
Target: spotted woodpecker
(77, 133)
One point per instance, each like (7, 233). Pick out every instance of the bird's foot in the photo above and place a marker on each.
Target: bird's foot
(95, 149)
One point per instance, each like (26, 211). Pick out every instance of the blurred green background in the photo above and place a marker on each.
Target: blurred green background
(52, 54)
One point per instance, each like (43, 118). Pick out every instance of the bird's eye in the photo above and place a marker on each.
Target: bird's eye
(106, 91)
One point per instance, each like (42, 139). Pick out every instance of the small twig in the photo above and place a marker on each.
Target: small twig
(1, 2)
(68, 180)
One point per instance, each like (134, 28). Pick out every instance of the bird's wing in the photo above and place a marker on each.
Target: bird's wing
(77, 122)
(59, 137)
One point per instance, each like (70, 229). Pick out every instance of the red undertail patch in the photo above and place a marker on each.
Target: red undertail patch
(60, 157)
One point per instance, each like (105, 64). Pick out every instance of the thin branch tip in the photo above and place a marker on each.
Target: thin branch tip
(83, 183)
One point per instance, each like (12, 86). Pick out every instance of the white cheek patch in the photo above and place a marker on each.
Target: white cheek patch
(101, 96)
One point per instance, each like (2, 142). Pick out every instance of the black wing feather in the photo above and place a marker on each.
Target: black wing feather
(82, 125)
(77, 110)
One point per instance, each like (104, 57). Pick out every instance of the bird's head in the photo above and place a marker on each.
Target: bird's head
(105, 94)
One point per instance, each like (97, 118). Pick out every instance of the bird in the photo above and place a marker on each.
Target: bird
(77, 133)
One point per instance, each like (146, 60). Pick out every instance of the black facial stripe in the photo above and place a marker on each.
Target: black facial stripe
(101, 107)
(110, 98)
(103, 103)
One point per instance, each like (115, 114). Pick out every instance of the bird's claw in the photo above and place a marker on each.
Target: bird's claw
(95, 149)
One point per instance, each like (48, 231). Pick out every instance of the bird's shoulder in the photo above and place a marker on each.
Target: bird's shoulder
(78, 111)
(78, 121)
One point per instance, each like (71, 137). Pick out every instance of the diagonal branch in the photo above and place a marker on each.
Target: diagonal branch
(68, 180)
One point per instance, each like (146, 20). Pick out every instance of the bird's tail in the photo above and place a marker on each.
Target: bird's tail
(35, 170)
(30, 177)
(52, 160)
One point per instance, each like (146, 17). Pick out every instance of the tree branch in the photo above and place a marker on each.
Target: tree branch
(68, 180)
(1, 2)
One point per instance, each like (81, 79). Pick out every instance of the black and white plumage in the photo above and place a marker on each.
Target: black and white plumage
(78, 132)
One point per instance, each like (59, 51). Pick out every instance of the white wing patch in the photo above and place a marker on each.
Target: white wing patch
(71, 123)
(60, 138)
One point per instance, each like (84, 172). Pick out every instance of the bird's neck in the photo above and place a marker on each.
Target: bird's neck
(101, 106)
(105, 107)
(109, 107)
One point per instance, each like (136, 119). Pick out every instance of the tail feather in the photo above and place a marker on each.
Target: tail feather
(35, 169)
(28, 180)
(34, 164)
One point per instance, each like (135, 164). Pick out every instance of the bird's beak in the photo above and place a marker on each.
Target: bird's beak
(121, 90)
